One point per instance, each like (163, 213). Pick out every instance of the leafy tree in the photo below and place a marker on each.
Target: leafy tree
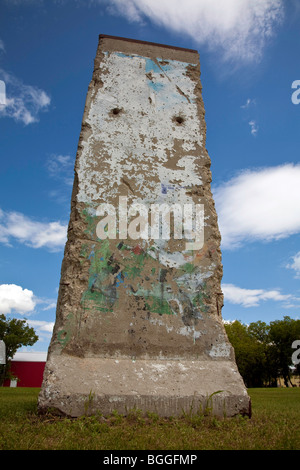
(259, 330)
(250, 354)
(281, 337)
(264, 352)
(15, 333)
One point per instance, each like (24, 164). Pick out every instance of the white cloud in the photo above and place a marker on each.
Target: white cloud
(15, 298)
(14, 225)
(41, 325)
(49, 303)
(251, 297)
(2, 46)
(239, 28)
(2, 93)
(254, 127)
(259, 205)
(50, 306)
(44, 331)
(295, 265)
(61, 167)
(249, 105)
(249, 102)
(23, 102)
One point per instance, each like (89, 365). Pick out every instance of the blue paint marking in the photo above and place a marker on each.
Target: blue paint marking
(151, 66)
(120, 54)
(156, 86)
(164, 66)
(119, 280)
(167, 187)
(164, 189)
(156, 67)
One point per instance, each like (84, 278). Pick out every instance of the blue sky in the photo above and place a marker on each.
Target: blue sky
(250, 68)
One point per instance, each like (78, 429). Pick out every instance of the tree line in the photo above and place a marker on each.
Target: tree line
(15, 333)
(266, 352)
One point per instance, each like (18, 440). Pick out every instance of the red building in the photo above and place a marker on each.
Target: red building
(28, 368)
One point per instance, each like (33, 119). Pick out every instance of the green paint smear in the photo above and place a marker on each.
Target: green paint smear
(100, 258)
(101, 296)
(158, 305)
(132, 271)
(94, 300)
(90, 221)
(63, 337)
(98, 296)
(199, 300)
(84, 253)
(189, 268)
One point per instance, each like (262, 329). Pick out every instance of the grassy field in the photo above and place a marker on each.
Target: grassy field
(275, 424)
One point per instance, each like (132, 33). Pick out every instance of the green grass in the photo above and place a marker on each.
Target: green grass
(275, 425)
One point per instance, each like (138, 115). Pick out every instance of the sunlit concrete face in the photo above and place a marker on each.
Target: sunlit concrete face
(138, 320)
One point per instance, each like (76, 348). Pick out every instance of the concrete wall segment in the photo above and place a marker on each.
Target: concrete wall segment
(140, 299)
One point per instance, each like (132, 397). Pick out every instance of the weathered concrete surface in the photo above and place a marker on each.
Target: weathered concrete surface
(166, 387)
(138, 320)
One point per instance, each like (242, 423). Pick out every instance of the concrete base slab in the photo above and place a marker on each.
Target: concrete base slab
(84, 386)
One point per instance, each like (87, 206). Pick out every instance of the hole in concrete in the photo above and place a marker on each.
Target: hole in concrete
(179, 119)
(116, 111)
